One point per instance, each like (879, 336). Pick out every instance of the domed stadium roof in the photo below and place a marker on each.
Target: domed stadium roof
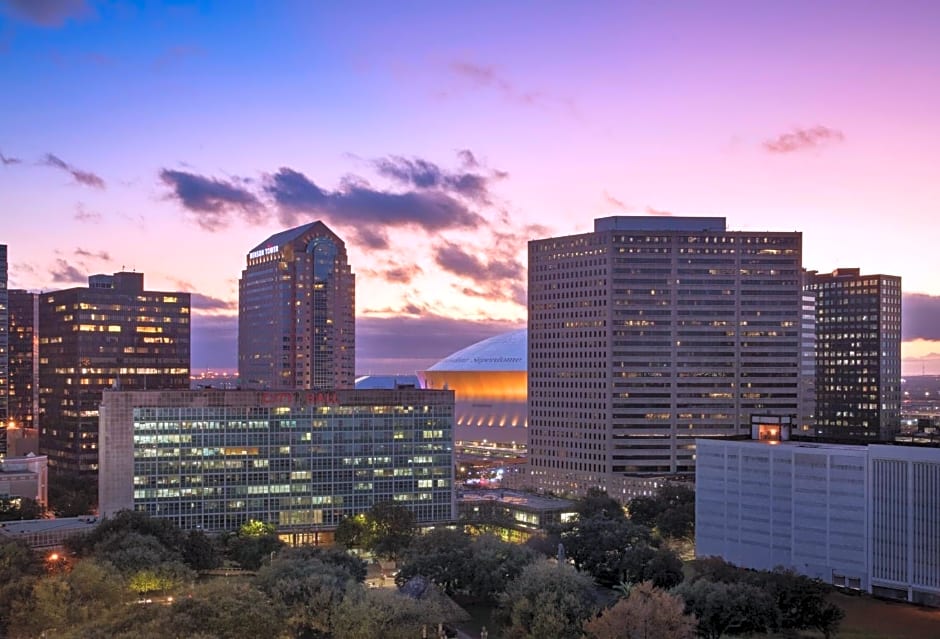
(505, 352)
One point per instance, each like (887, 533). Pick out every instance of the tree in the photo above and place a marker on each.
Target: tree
(660, 566)
(715, 569)
(598, 545)
(598, 503)
(546, 600)
(368, 614)
(72, 494)
(112, 529)
(722, 609)
(677, 522)
(826, 619)
(801, 601)
(646, 613)
(20, 508)
(644, 510)
(443, 556)
(201, 552)
(251, 551)
(310, 585)
(671, 511)
(391, 528)
(19, 569)
(351, 531)
(164, 578)
(62, 602)
(223, 609)
(494, 563)
(255, 528)
(130, 551)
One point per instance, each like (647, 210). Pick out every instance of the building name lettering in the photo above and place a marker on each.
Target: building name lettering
(270, 250)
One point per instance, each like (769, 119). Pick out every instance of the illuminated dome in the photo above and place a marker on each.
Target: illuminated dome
(489, 381)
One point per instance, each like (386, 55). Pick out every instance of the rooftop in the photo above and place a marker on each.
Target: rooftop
(517, 498)
(26, 526)
(660, 223)
(285, 237)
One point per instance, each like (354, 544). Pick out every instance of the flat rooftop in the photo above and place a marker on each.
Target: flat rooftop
(516, 498)
(32, 526)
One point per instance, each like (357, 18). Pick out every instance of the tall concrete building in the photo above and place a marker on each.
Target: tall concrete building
(296, 313)
(858, 354)
(111, 334)
(650, 332)
(23, 402)
(4, 348)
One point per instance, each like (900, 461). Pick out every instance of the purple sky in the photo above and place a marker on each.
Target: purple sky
(438, 137)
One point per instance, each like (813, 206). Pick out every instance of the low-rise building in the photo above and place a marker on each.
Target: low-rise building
(47, 534)
(301, 460)
(860, 516)
(26, 476)
(512, 515)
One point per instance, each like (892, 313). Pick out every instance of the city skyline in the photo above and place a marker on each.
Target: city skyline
(438, 140)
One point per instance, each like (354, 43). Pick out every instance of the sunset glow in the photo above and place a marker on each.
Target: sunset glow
(438, 138)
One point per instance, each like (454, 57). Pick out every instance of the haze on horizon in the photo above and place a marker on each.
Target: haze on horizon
(436, 139)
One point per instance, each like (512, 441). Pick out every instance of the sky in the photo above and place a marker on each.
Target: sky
(437, 138)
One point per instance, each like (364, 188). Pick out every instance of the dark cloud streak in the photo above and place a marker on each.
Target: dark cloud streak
(82, 177)
(49, 13)
(803, 139)
(920, 316)
(357, 204)
(213, 201)
(65, 273)
(423, 174)
(99, 255)
(9, 160)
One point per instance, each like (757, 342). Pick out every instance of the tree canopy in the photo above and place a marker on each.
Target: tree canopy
(546, 600)
(647, 612)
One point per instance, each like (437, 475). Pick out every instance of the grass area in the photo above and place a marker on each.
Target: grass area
(869, 618)
(865, 618)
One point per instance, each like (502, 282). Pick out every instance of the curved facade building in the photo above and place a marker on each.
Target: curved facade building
(489, 380)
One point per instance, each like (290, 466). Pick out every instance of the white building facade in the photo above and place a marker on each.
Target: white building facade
(862, 517)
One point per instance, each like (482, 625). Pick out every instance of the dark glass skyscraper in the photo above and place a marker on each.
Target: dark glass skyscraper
(23, 403)
(112, 334)
(296, 313)
(4, 348)
(858, 354)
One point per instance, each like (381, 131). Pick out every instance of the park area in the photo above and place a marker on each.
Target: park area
(865, 618)
(868, 618)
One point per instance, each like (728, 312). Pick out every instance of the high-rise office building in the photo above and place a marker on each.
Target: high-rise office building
(858, 354)
(4, 348)
(296, 313)
(301, 460)
(111, 334)
(23, 404)
(650, 332)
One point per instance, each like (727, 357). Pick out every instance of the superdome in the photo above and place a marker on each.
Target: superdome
(489, 382)
(506, 352)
